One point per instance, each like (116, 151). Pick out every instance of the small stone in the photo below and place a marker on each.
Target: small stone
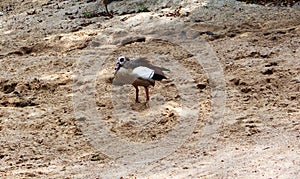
(132, 40)
(271, 64)
(96, 157)
(268, 72)
(31, 12)
(246, 90)
(201, 85)
(292, 110)
(236, 81)
(99, 104)
(95, 44)
(8, 88)
(81, 119)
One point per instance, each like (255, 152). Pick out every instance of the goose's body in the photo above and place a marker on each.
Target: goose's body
(138, 72)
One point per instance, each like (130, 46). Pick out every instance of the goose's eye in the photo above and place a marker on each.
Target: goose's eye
(122, 59)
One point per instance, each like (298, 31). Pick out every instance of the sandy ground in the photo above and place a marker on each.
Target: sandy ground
(229, 108)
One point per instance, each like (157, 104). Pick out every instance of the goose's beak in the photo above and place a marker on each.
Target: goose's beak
(117, 66)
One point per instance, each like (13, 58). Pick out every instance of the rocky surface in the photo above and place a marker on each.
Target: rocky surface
(48, 46)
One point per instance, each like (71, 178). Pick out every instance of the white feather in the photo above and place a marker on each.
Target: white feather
(143, 72)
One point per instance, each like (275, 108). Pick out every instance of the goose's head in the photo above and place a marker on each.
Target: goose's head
(121, 61)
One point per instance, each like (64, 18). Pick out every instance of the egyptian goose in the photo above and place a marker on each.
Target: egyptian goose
(138, 72)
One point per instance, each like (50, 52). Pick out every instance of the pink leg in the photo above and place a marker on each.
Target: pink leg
(136, 94)
(147, 94)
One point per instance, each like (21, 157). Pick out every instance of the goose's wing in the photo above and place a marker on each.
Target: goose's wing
(144, 66)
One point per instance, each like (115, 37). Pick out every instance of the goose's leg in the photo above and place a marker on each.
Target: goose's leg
(147, 93)
(136, 94)
(106, 9)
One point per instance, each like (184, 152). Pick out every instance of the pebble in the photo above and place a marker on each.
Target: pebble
(1, 14)
(81, 119)
(201, 85)
(31, 12)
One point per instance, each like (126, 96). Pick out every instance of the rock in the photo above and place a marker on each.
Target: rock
(17, 101)
(201, 85)
(271, 64)
(246, 90)
(291, 110)
(81, 119)
(131, 40)
(268, 72)
(236, 81)
(97, 157)
(95, 44)
(8, 88)
(128, 7)
(31, 12)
